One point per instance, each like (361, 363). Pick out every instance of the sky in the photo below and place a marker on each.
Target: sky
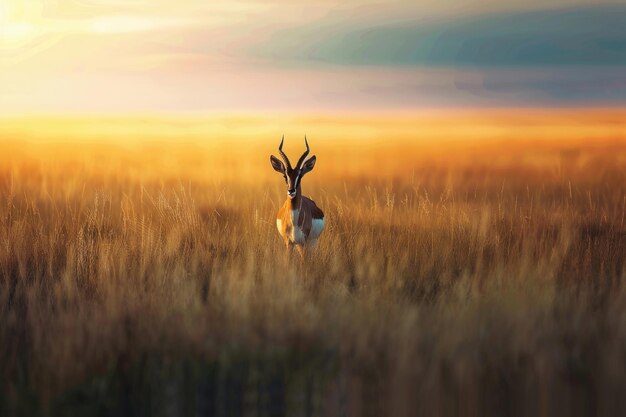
(116, 56)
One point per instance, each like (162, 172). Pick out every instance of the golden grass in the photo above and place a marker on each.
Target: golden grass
(471, 263)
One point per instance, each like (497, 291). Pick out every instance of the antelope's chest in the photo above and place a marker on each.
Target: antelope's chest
(296, 235)
(290, 229)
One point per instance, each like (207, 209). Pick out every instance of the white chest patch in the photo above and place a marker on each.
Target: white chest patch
(296, 235)
(279, 225)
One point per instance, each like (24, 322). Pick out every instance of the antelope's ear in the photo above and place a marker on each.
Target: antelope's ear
(277, 164)
(308, 165)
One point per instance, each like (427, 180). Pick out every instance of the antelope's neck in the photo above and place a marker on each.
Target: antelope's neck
(294, 205)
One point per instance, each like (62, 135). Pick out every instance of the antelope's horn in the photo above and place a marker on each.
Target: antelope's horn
(304, 155)
(280, 149)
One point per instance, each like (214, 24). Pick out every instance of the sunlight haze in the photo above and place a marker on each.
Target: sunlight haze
(117, 56)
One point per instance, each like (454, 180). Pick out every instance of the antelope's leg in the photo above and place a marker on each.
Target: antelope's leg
(289, 245)
(300, 265)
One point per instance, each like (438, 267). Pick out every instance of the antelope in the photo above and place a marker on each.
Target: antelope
(299, 221)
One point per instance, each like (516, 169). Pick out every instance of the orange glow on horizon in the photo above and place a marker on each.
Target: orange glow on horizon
(424, 125)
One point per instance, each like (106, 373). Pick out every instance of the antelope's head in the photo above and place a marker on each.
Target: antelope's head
(292, 176)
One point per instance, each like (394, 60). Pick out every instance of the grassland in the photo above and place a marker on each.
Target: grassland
(473, 264)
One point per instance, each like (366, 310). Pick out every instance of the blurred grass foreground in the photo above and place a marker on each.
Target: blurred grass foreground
(472, 264)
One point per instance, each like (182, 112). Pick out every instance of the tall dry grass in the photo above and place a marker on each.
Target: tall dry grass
(482, 277)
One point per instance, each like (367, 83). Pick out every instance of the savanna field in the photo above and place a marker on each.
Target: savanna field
(473, 263)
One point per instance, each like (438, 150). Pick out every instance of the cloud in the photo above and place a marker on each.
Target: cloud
(486, 87)
(319, 90)
(130, 24)
(594, 35)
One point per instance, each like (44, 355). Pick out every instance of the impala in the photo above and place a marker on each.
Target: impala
(300, 222)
